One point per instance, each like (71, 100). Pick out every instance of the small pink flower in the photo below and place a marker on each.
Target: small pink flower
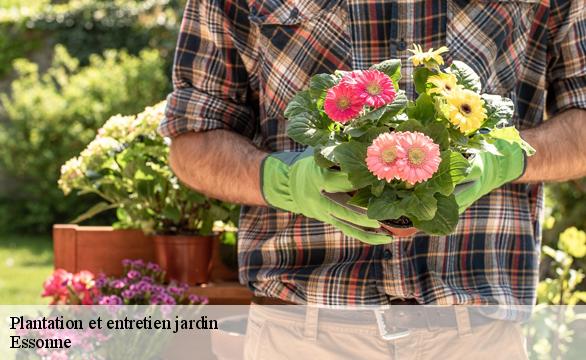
(83, 280)
(421, 157)
(375, 87)
(56, 285)
(342, 103)
(382, 156)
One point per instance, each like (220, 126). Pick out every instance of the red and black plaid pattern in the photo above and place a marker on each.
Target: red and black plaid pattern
(239, 62)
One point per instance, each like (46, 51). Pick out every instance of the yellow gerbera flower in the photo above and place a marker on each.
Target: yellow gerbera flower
(443, 83)
(466, 110)
(431, 59)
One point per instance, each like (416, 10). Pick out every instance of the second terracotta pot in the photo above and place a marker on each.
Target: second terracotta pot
(185, 258)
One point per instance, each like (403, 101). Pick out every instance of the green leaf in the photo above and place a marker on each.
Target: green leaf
(385, 207)
(355, 132)
(423, 109)
(420, 205)
(466, 76)
(457, 138)
(306, 125)
(305, 129)
(395, 108)
(392, 68)
(320, 83)
(511, 135)
(439, 134)
(328, 151)
(410, 125)
(445, 219)
(452, 170)
(378, 187)
(351, 156)
(301, 103)
(373, 115)
(372, 133)
(93, 211)
(420, 76)
(361, 198)
(499, 110)
(217, 212)
(320, 160)
(172, 213)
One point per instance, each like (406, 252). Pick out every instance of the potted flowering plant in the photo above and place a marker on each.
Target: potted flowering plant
(141, 283)
(404, 156)
(126, 165)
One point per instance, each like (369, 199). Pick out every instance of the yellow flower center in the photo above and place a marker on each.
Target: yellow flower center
(373, 88)
(343, 103)
(416, 156)
(389, 155)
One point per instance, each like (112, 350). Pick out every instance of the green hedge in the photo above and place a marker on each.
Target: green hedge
(86, 27)
(48, 118)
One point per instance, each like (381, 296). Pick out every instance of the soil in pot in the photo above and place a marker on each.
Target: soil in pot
(185, 258)
(401, 227)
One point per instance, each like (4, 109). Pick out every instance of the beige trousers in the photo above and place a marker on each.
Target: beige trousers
(277, 334)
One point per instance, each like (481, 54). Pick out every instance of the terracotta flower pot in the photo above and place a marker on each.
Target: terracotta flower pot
(185, 258)
(224, 262)
(402, 227)
(399, 231)
(99, 249)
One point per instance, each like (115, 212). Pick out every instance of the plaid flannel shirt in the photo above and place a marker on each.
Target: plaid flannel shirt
(239, 62)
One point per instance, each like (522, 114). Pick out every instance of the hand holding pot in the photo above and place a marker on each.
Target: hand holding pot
(490, 171)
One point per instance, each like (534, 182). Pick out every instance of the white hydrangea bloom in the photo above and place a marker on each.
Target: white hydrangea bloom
(72, 171)
(117, 127)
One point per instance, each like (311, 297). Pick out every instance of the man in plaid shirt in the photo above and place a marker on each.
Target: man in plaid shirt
(239, 62)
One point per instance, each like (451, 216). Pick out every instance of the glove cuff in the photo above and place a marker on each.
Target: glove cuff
(514, 161)
(274, 183)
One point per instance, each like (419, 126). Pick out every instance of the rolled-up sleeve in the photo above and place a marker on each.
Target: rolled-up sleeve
(211, 87)
(567, 57)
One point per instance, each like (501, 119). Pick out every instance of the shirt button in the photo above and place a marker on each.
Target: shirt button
(402, 45)
(387, 254)
(294, 13)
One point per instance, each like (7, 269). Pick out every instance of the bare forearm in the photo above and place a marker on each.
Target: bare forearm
(561, 148)
(220, 164)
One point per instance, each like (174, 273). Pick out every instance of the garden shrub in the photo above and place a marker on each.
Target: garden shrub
(86, 27)
(49, 118)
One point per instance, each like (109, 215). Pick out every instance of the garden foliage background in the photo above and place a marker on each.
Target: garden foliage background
(67, 66)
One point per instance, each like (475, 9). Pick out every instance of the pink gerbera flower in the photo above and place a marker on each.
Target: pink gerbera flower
(342, 103)
(350, 78)
(421, 157)
(375, 87)
(383, 155)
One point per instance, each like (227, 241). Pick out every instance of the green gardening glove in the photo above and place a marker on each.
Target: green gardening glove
(292, 181)
(489, 172)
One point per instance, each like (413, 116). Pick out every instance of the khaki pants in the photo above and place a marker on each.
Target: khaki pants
(274, 333)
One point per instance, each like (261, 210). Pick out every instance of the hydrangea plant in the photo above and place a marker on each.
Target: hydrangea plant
(126, 165)
(404, 156)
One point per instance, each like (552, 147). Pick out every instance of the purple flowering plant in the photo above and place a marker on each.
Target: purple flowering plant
(143, 284)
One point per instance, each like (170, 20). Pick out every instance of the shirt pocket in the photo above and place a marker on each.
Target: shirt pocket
(492, 37)
(295, 39)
